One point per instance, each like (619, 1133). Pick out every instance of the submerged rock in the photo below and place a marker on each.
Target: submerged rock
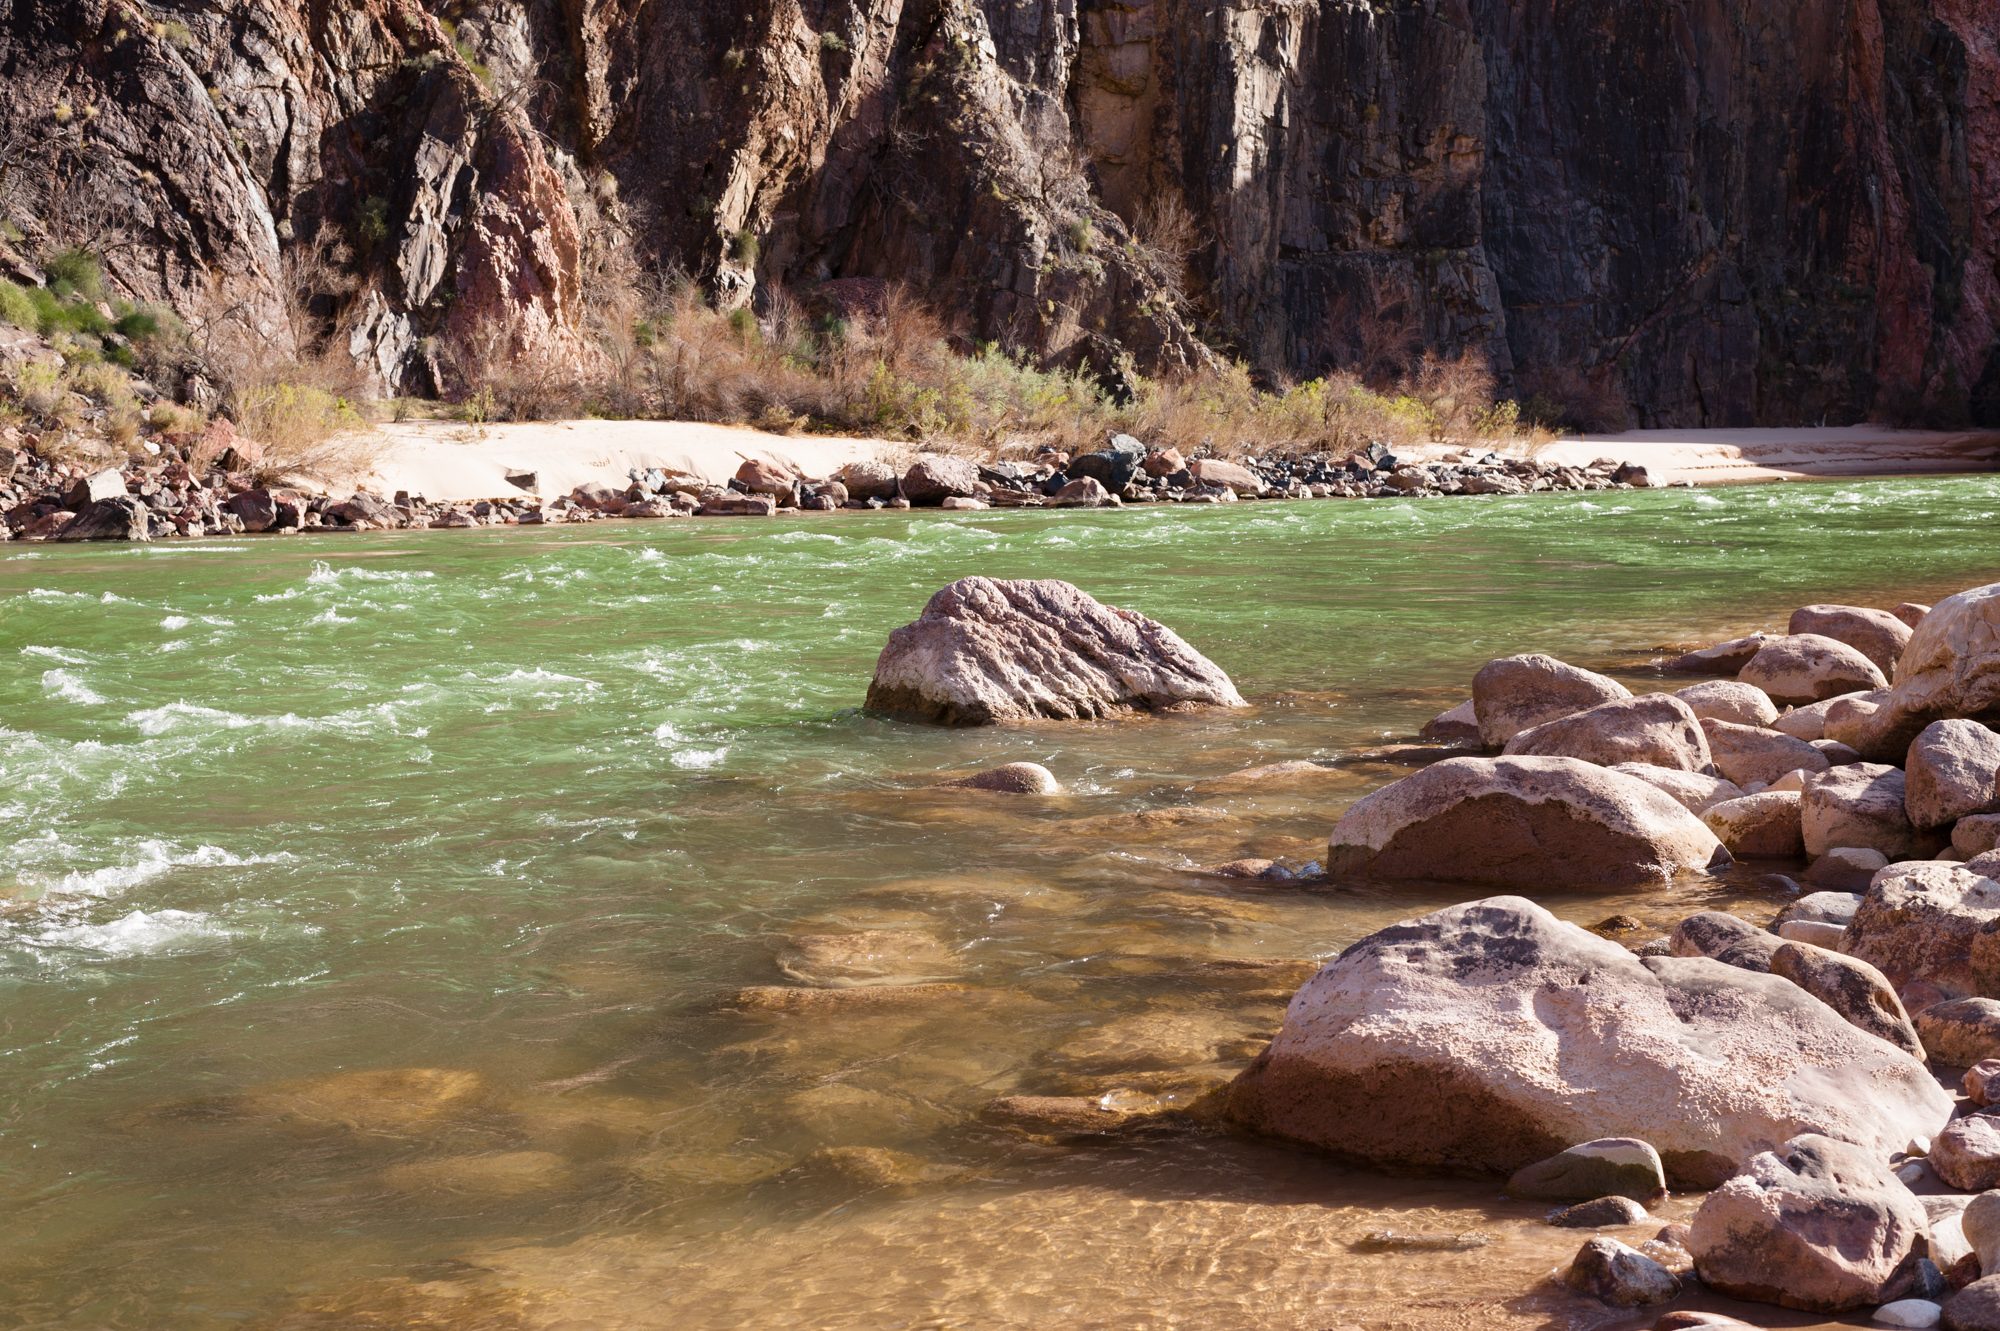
(986, 650)
(1010, 779)
(1600, 1213)
(1817, 1224)
(1517, 693)
(1545, 822)
(1541, 1035)
(868, 957)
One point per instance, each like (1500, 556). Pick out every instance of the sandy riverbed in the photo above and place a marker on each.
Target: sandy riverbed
(451, 462)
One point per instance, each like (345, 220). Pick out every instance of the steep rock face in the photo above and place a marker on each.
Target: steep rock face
(224, 151)
(1783, 214)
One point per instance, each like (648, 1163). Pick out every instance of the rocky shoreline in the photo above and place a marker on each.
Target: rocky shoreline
(1830, 1077)
(174, 494)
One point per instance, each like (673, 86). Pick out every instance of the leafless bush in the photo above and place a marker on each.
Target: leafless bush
(1168, 235)
(1567, 398)
(1376, 333)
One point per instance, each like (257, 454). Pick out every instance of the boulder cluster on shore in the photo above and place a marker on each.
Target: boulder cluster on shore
(174, 495)
(1830, 1078)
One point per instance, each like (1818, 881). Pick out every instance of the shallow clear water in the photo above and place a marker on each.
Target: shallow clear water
(372, 908)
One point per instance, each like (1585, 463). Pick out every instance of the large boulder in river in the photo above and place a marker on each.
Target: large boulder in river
(1659, 730)
(1876, 634)
(1952, 771)
(1517, 693)
(1522, 822)
(1800, 668)
(986, 650)
(1818, 1223)
(1950, 668)
(1725, 658)
(935, 477)
(868, 478)
(1491, 1034)
(1933, 928)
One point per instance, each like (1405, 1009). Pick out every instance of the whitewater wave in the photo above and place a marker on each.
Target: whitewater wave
(149, 860)
(66, 686)
(140, 933)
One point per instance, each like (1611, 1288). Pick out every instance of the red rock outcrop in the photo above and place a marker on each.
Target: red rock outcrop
(1779, 213)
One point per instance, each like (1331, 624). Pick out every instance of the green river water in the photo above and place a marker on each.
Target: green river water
(372, 908)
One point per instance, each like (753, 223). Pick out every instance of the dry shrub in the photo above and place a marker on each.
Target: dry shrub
(497, 378)
(295, 392)
(1168, 236)
(1376, 332)
(1564, 397)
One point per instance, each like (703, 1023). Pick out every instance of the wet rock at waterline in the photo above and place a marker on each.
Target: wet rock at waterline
(1600, 1213)
(1619, 1275)
(1547, 1035)
(1764, 826)
(986, 650)
(1010, 779)
(1818, 1224)
(1724, 658)
(1523, 821)
(1610, 1167)
(1459, 725)
(1517, 693)
(1659, 730)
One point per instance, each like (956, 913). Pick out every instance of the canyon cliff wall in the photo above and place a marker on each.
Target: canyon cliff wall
(1725, 213)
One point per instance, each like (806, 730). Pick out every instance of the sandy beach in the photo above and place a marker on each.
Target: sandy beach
(449, 462)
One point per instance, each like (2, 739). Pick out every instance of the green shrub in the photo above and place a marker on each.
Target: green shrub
(17, 307)
(75, 272)
(744, 247)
